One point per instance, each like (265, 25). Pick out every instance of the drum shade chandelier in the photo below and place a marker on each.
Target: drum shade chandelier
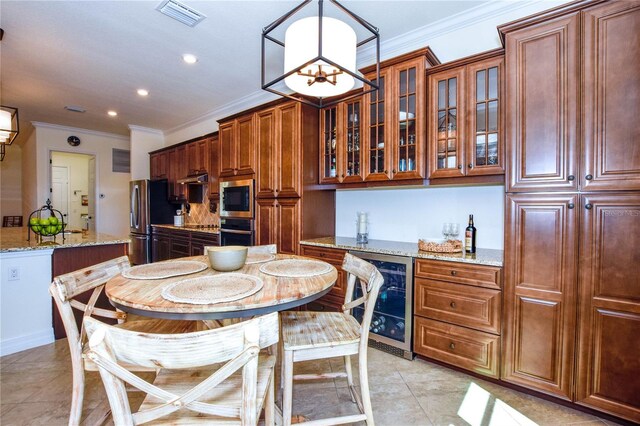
(320, 57)
(8, 127)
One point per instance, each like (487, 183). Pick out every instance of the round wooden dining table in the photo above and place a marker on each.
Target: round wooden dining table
(144, 296)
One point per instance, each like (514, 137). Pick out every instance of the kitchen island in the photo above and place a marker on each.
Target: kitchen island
(27, 268)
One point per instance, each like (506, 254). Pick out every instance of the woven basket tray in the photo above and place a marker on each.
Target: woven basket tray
(449, 246)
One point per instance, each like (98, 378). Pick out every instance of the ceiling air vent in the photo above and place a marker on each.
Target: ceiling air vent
(180, 12)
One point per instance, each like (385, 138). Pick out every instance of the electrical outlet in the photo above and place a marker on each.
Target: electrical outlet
(14, 274)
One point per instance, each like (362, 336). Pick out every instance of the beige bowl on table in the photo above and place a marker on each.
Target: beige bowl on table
(226, 258)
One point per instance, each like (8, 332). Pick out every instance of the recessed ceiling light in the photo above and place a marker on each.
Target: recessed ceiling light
(189, 58)
(112, 113)
(143, 92)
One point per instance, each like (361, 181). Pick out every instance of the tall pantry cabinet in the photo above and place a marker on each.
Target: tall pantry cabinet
(572, 238)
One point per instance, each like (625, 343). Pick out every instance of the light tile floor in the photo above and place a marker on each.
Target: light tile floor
(36, 390)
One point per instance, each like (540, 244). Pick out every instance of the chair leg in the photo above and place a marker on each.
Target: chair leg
(269, 409)
(287, 392)
(364, 387)
(347, 367)
(77, 397)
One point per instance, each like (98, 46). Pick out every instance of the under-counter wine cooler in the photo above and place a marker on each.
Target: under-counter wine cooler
(390, 328)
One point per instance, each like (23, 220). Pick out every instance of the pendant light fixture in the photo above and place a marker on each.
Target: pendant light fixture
(8, 127)
(319, 57)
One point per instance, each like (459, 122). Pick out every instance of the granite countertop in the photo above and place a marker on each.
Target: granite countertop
(214, 231)
(491, 257)
(15, 239)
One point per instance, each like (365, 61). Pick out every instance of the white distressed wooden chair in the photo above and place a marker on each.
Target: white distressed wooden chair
(269, 249)
(64, 290)
(318, 335)
(208, 377)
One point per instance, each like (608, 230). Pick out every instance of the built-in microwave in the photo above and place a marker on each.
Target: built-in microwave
(236, 199)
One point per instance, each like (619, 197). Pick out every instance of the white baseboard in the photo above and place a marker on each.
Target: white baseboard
(21, 343)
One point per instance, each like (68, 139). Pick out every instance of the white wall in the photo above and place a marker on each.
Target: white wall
(78, 166)
(143, 141)
(11, 182)
(25, 303)
(112, 204)
(408, 214)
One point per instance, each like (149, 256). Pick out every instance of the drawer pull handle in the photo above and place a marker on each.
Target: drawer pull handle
(454, 273)
(453, 305)
(452, 345)
(588, 177)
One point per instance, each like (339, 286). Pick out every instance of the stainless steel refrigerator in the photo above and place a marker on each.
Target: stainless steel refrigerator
(149, 204)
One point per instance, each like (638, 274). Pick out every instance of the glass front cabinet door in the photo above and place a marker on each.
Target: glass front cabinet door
(486, 138)
(409, 125)
(465, 116)
(376, 131)
(446, 140)
(340, 143)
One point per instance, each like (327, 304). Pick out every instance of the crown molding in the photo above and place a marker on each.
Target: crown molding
(146, 130)
(239, 105)
(395, 46)
(38, 124)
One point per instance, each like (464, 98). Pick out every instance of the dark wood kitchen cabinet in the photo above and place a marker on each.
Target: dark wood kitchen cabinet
(177, 159)
(541, 245)
(159, 165)
(214, 184)
(197, 156)
(457, 309)
(333, 300)
(171, 243)
(542, 89)
(279, 222)
(394, 125)
(280, 151)
(466, 116)
(237, 155)
(611, 96)
(608, 364)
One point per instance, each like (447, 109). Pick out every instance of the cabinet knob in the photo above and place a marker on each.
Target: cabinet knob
(385, 172)
(452, 345)
(453, 305)
(571, 205)
(393, 171)
(342, 175)
(571, 177)
(588, 206)
(588, 177)
(454, 273)
(460, 166)
(470, 166)
(277, 190)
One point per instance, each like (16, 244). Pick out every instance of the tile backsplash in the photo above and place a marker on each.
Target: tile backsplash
(200, 214)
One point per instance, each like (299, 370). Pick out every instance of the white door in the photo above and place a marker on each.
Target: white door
(92, 194)
(60, 190)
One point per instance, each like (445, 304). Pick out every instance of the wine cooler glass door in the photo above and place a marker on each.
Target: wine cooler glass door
(391, 321)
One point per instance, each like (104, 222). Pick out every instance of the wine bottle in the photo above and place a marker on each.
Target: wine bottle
(470, 237)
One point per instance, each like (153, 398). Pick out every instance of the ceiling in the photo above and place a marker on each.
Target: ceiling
(96, 54)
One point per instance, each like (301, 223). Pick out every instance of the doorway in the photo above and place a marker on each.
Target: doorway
(73, 188)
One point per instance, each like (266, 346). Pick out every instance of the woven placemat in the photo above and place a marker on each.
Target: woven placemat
(212, 289)
(259, 258)
(295, 268)
(156, 271)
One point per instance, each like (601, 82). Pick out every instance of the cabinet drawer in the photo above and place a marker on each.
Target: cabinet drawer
(333, 256)
(458, 304)
(461, 273)
(180, 248)
(469, 349)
